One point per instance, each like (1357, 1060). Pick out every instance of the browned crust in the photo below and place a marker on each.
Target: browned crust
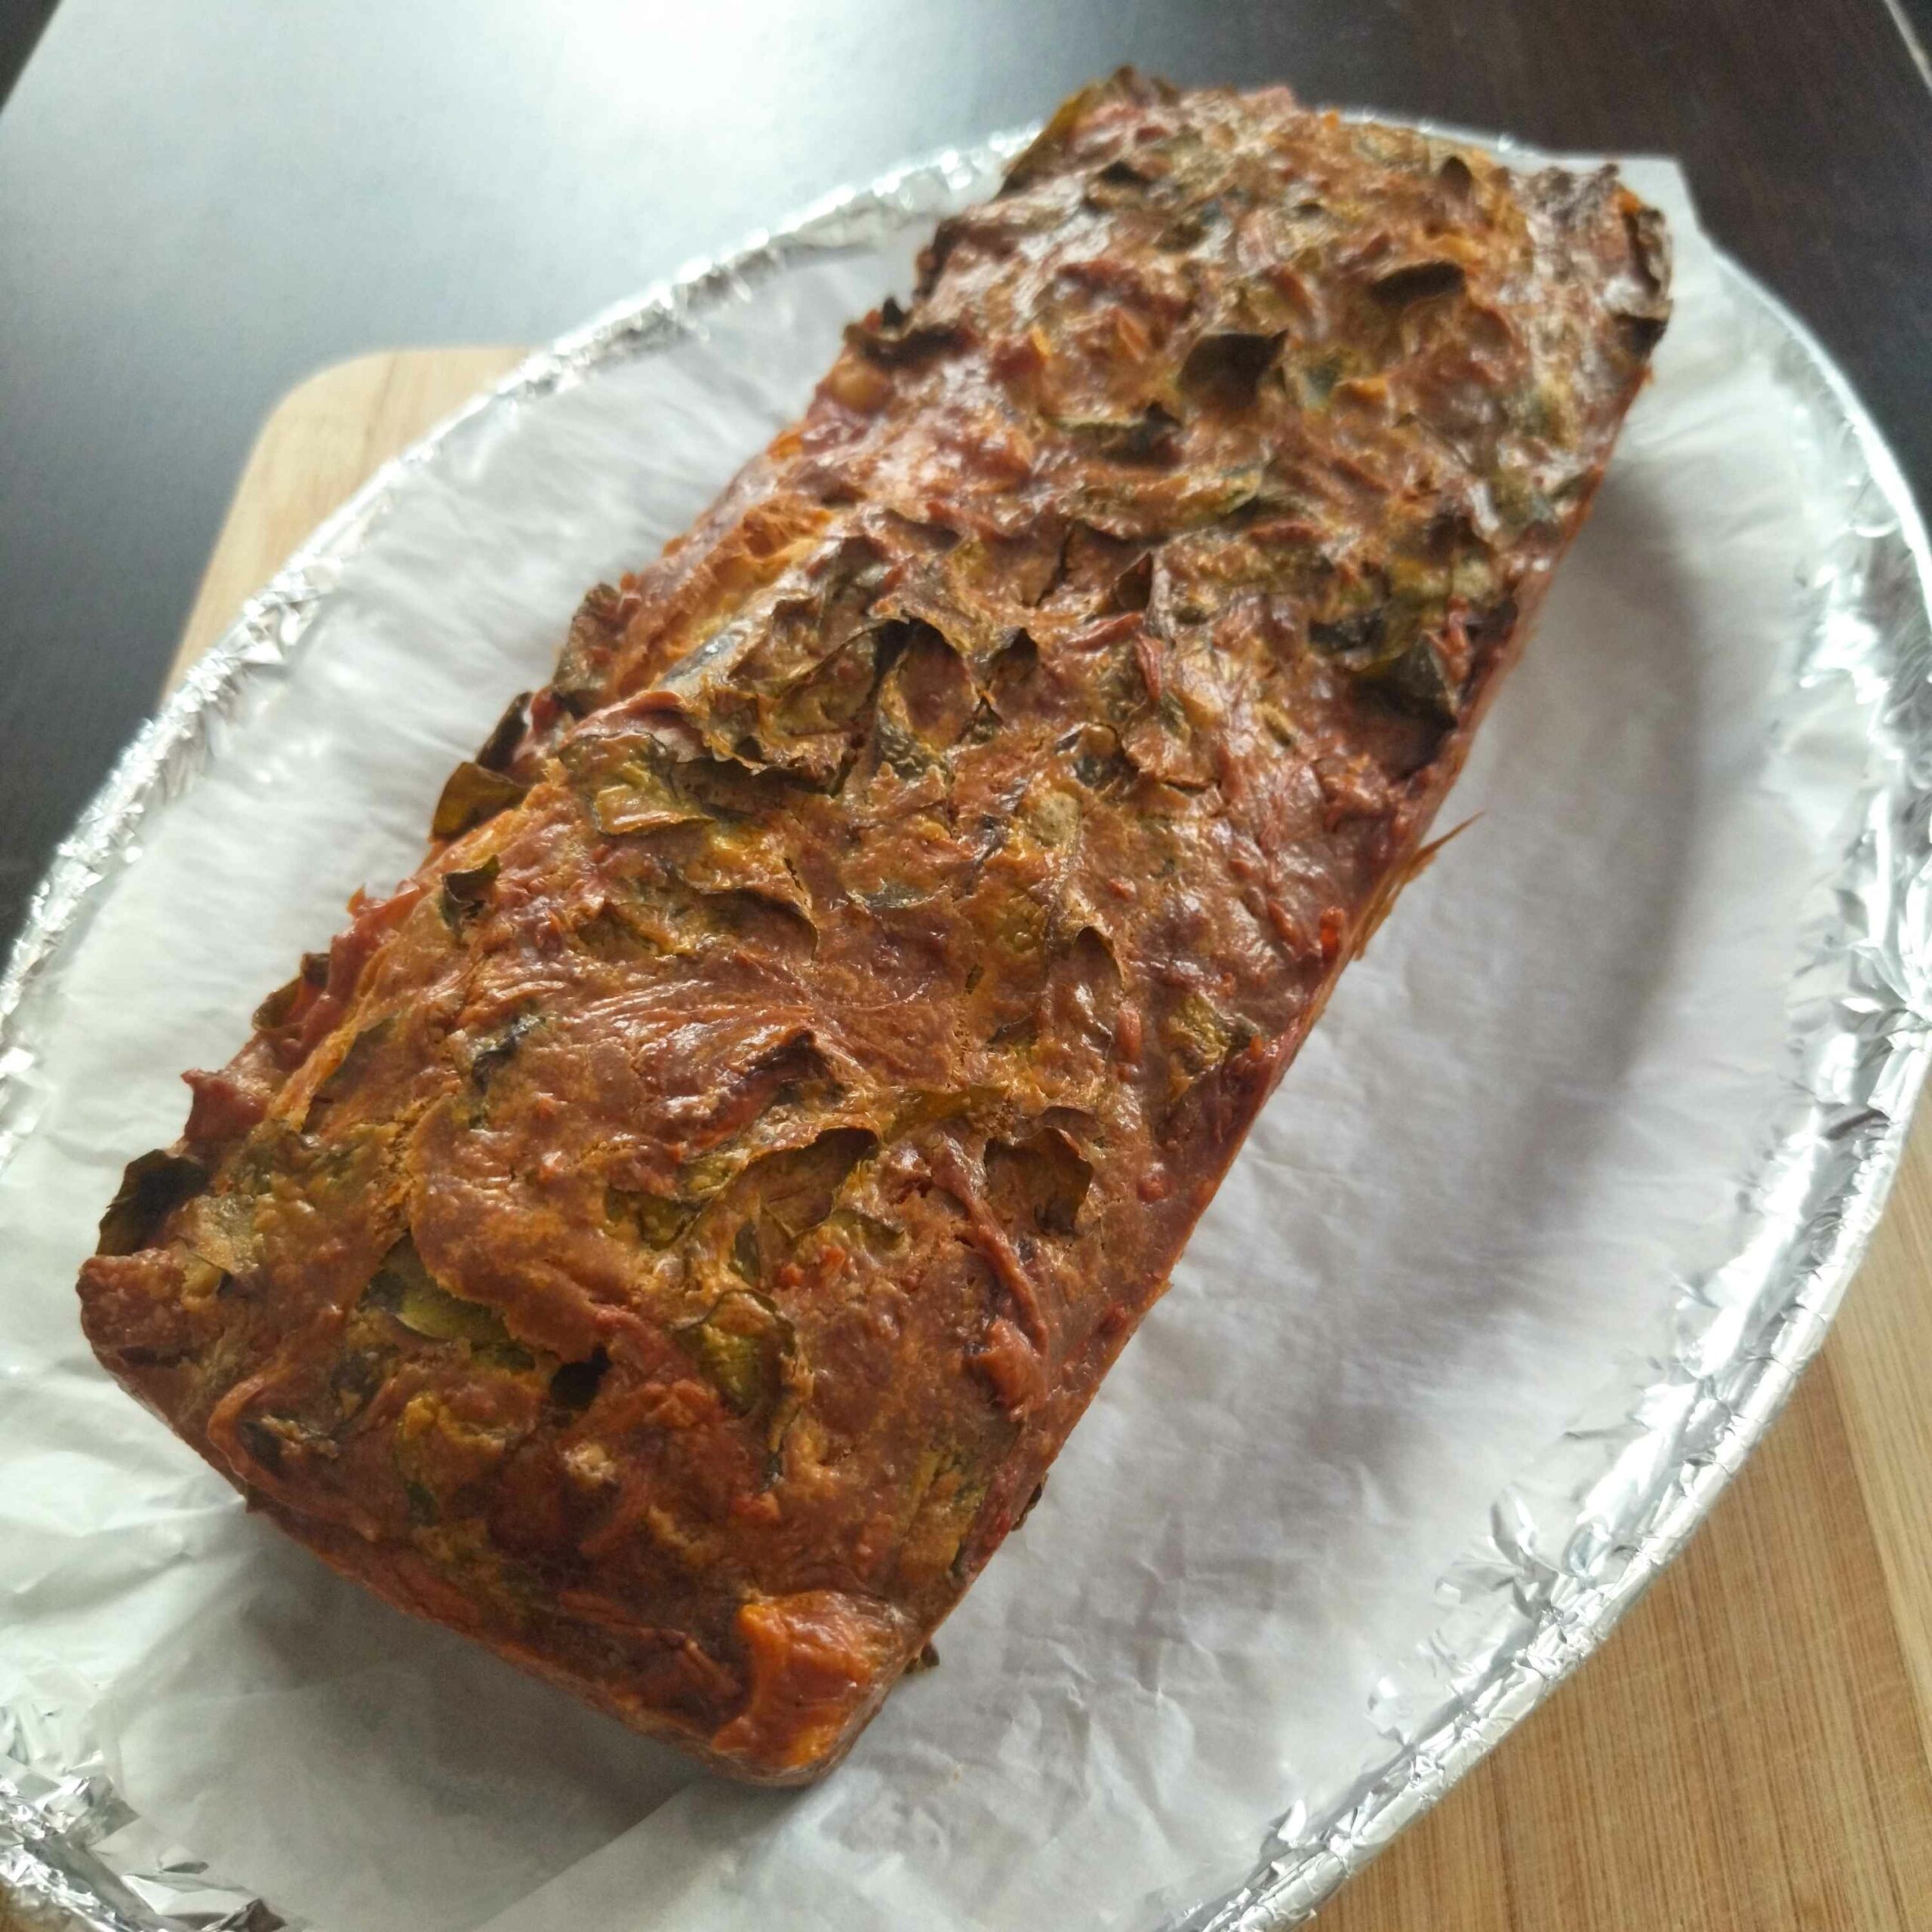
(670, 1238)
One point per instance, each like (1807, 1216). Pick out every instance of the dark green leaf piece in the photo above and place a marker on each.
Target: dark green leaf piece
(1148, 436)
(742, 1345)
(274, 1011)
(408, 1291)
(744, 1251)
(658, 1220)
(585, 661)
(473, 794)
(491, 1053)
(465, 894)
(1358, 636)
(151, 1189)
(505, 736)
(1418, 676)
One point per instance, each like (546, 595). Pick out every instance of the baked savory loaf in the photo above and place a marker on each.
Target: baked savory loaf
(668, 1238)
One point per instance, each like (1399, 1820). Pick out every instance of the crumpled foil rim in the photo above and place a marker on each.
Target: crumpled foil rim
(1577, 1539)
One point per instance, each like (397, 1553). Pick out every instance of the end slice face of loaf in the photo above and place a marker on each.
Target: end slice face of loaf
(669, 1237)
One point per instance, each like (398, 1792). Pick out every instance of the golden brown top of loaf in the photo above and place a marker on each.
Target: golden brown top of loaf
(670, 1237)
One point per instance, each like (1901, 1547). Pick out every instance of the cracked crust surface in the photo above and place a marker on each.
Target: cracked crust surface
(668, 1238)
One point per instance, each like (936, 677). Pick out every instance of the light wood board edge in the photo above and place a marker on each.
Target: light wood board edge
(330, 433)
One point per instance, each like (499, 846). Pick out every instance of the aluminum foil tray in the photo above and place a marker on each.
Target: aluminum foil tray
(1461, 1522)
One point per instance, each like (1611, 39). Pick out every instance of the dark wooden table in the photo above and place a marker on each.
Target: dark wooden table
(201, 200)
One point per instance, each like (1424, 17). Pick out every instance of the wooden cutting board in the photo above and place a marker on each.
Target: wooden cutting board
(1751, 1751)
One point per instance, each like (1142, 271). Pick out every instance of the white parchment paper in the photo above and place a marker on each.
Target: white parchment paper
(1518, 1132)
